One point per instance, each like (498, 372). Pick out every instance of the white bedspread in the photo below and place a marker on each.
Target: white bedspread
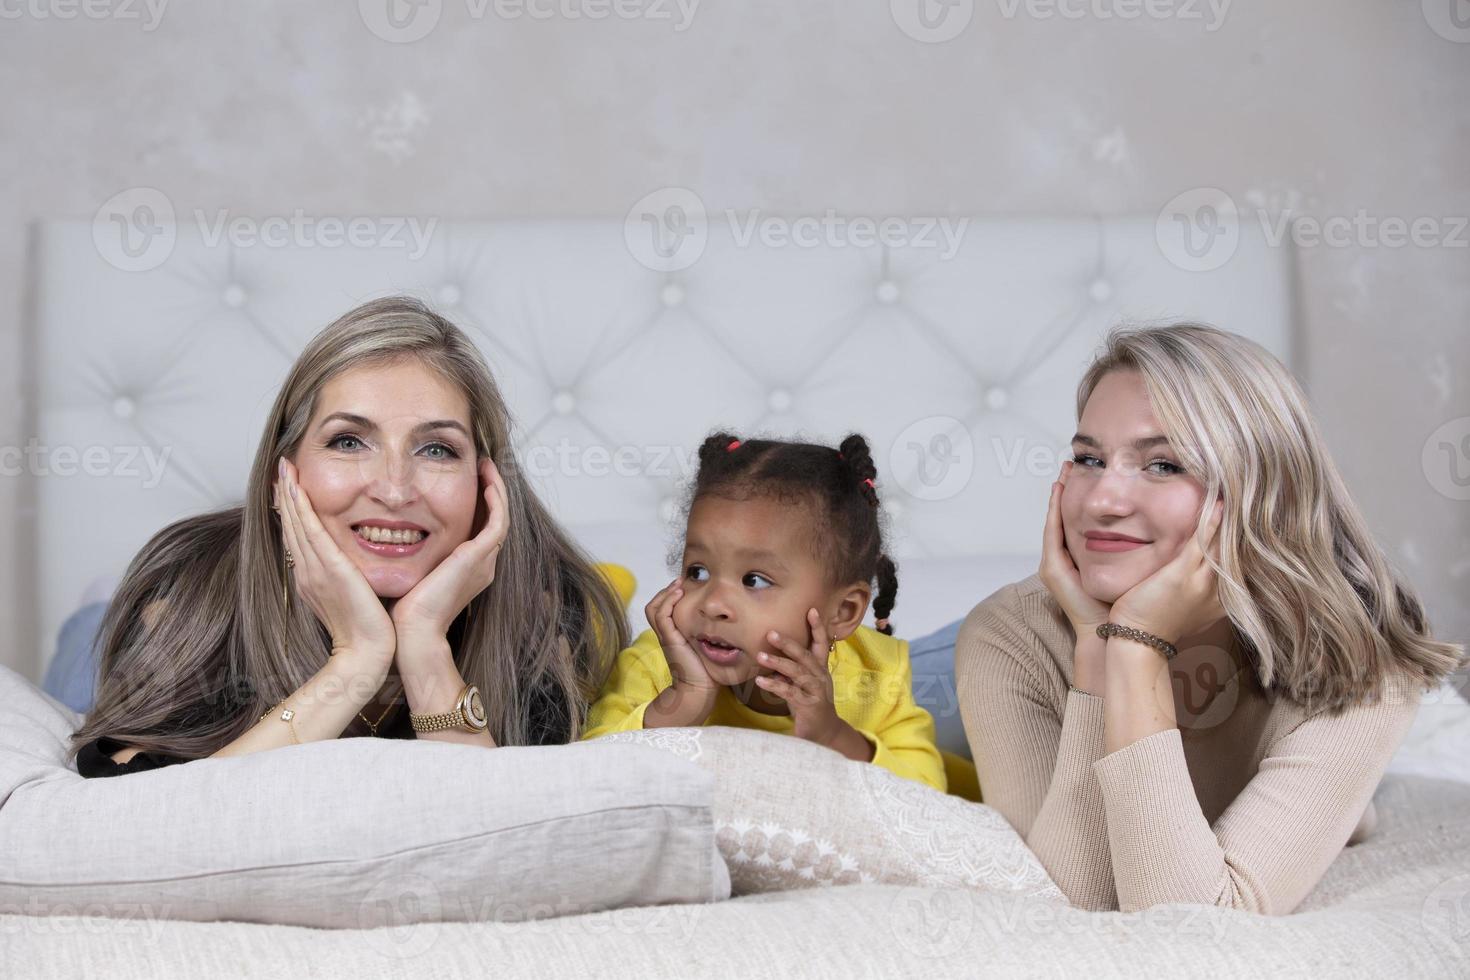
(1397, 905)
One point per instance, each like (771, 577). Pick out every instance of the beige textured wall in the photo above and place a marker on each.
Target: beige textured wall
(1330, 107)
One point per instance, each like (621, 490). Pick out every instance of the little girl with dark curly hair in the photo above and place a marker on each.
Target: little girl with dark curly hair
(763, 627)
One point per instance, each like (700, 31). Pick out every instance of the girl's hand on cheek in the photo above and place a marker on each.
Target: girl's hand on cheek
(1183, 597)
(804, 683)
(1059, 571)
(330, 585)
(685, 663)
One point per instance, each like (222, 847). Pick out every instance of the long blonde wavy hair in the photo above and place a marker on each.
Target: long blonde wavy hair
(197, 641)
(1322, 614)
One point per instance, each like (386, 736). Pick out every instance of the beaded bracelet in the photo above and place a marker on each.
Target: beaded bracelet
(286, 715)
(1169, 650)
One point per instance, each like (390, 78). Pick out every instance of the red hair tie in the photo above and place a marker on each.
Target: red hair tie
(870, 484)
(734, 445)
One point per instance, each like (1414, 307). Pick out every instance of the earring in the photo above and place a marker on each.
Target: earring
(831, 645)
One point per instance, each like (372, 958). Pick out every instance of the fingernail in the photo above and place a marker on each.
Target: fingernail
(775, 637)
(293, 491)
(281, 466)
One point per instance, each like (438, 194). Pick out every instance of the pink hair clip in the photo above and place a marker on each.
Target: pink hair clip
(733, 446)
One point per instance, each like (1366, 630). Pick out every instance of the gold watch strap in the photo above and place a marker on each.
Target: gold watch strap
(453, 720)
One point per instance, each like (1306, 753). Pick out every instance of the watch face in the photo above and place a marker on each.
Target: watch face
(475, 708)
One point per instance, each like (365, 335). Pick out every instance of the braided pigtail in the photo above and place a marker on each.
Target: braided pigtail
(887, 593)
(858, 460)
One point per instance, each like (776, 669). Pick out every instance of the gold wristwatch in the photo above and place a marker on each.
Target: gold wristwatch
(468, 715)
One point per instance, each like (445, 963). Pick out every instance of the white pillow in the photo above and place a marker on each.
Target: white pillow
(791, 814)
(350, 833)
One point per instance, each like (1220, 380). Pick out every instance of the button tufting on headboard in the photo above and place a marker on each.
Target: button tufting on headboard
(960, 368)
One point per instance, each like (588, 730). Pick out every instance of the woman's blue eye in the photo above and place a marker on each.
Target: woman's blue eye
(695, 571)
(754, 577)
(1086, 460)
(331, 443)
(1170, 469)
(447, 449)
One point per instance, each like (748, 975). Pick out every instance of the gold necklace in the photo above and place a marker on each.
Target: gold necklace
(373, 725)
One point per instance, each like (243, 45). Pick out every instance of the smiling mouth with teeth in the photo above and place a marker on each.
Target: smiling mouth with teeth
(382, 535)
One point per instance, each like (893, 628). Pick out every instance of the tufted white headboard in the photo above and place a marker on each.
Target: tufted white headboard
(151, 387)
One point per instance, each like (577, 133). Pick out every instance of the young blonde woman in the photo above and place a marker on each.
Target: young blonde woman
(389, 574)
(1195, 698)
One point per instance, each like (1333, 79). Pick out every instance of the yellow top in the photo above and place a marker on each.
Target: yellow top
(871, 684)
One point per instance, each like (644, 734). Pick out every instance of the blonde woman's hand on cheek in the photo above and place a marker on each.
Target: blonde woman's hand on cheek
(423, 616)
(327, 581)
(803, 681)
(1183, 597)
(1059, 571)
(691, 698)
(1062, 579)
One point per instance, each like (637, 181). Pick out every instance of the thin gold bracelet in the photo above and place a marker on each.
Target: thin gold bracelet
(286, 715)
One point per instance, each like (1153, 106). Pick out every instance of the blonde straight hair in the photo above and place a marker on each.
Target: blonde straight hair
(197, 641)
(1323, 615)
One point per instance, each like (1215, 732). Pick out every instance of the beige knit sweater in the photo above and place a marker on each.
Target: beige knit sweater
(1246, 812)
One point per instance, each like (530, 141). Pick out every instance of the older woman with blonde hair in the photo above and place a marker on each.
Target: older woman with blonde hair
(1196, 696)
(390, 573)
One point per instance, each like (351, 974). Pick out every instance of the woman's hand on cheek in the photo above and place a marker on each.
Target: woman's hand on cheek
(327, 581)
(1059, 571)
(422, 617)
(1183, 597)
